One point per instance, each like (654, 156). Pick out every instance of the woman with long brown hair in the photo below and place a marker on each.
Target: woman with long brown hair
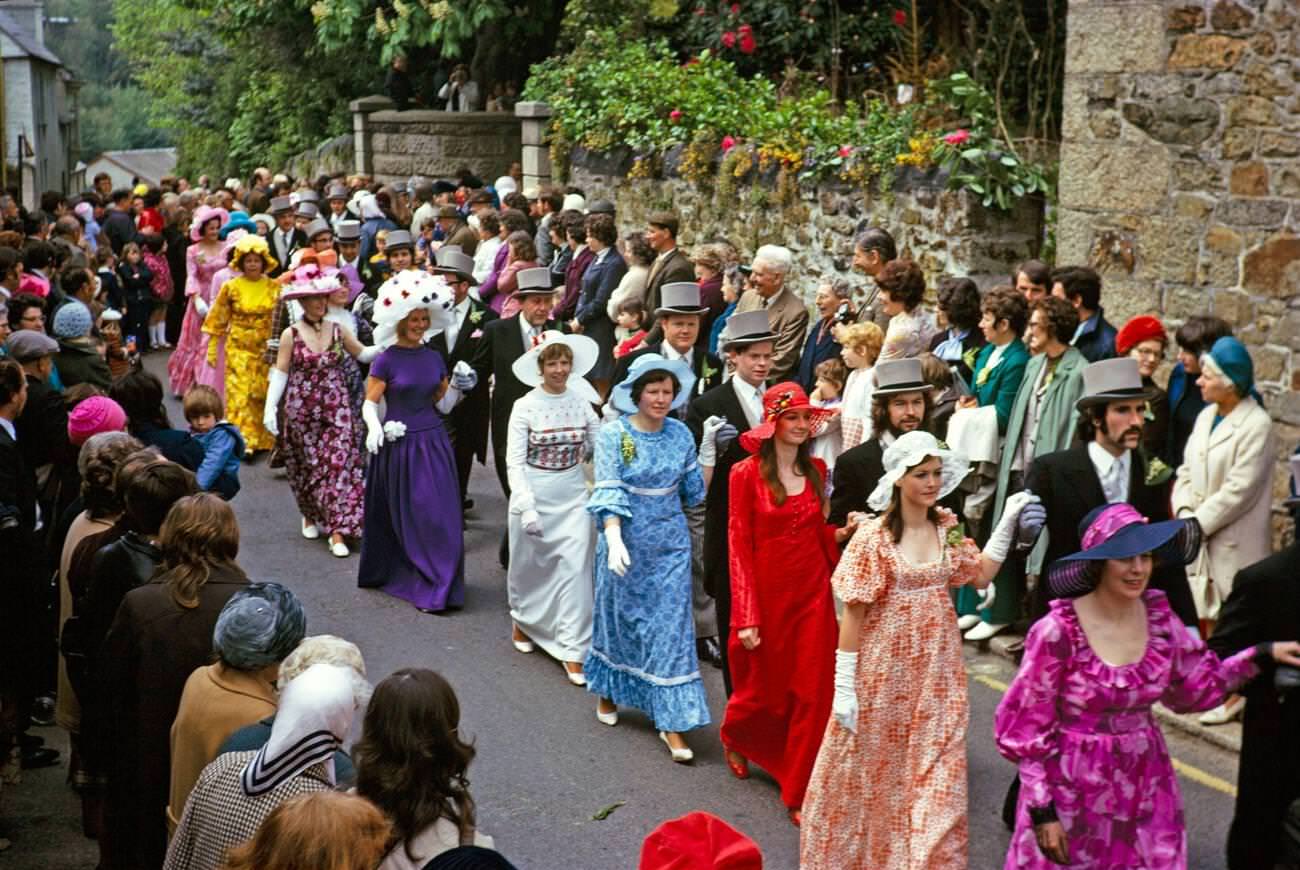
(782, 634)
(412, 764)
(325, 829)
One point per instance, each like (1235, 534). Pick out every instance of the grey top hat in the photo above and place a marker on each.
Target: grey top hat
(308, 195)
(316, 227)
(899, 376)
(457, 248)
(534, 281)
(306, 210)
(1112, 380)
(399, 239)
(336, 191)
(25, 345)
(456, 263)
(750, 327)
(680, 297)
(281, 204)
(348, 231)
(601, 206)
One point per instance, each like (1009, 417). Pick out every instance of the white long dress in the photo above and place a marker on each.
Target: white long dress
(549, 583)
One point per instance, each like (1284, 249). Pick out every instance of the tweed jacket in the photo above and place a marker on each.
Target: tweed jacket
(788, 317)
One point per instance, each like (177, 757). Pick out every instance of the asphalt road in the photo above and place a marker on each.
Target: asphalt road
(545, 766)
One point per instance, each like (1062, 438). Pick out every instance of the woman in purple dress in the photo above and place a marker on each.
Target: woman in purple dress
(1097, 786)
(412, 546)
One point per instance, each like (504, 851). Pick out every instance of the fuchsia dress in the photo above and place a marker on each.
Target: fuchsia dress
(188, 359)
(1085, 739)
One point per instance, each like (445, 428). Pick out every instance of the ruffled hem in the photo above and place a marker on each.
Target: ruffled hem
(1156, 659)
(675, 708)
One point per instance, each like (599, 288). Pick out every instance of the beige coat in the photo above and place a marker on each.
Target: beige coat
(1225, 481)
(217, 702)
(788, 317)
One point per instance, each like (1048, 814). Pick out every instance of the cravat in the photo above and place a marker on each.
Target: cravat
(1113, 485)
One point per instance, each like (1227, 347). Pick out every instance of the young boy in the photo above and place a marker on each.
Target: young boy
(223, 445)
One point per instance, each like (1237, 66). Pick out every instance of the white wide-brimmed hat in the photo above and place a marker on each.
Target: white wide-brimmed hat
(585, 354)
(910, 450)
(405, 292)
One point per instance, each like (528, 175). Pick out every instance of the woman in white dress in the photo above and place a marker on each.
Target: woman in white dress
(552, 537)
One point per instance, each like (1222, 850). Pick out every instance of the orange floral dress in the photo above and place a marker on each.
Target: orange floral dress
(893, 795)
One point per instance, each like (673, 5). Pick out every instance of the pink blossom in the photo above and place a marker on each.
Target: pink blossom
(728, 142)
(846, 150)
(747, 44)
(728, 40)
(957, 137)
(675, 115)
(900, 18)
(735, 8)
(745, 28)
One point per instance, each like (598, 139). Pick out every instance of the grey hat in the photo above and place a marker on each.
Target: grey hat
(307, 195)
(1113, 380)
(348, 231)
(399, 239)
(900, 376)
(533, 282)
(680, 297)
(336, 191)
(748, 328)
(457, 248)
(316, 227)
(307, 210)
(456, 263)
(281, 204)
(25, 345)
(600, 206)
(259, 626)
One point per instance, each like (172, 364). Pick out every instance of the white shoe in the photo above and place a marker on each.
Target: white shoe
(578, 678)
(309, 531)
(967, 622)
(1222, 714)
(610, 719)
(681, 756)
(984, 631)
(340, 549)
(523, 646)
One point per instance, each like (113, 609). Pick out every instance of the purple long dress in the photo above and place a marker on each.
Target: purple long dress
(412, 546)
(1084, 737)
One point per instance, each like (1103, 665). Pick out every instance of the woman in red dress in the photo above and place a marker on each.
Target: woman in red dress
(783, 630)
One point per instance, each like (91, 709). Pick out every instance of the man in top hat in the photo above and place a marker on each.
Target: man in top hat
(399, 250)
(286, 237)
(748, 342)
(347, 241)
(671, 266)
(304, 213)
(320, 236)
(337, 196)
(786, 312)
(468, 421)
(456, 231)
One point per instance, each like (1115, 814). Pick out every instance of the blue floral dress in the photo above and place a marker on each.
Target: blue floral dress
(643, 634)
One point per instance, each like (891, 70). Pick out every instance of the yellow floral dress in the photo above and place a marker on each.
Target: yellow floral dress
(242, 313)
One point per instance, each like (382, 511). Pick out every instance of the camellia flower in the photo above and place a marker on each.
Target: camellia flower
(675, 115)
(728, 142)
(747, 44)
(846, 150)
(728, 40)
(957, 137)
(900, 18)
(735, 8)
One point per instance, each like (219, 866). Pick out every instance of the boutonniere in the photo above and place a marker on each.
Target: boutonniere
(475, 316)
(982, 378)
(1157, 471)
(707, 371)
(627, 447)
(968, 358)
(478, 333)
(956, 535)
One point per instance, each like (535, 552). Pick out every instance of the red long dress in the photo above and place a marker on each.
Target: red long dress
(782, 558)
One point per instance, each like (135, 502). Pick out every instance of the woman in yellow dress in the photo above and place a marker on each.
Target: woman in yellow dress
(241, 314)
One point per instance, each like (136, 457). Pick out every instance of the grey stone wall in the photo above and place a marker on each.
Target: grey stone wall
(1180, 172)
(397, 145)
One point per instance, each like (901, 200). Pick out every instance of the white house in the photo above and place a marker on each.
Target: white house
(147, 164)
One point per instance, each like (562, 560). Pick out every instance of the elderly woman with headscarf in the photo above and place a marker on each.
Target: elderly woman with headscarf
(259, 626)
(373, 220)
(1225, 483)
(235, 793)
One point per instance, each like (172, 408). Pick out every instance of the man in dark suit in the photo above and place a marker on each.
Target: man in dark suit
(748, 342)
(671, 266)
(1107, 467)
(504, 341)
(286, 237)
(1081, 287)
(468, 421)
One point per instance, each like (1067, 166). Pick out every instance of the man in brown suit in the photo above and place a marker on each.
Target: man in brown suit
(786, 312)
(456, 231)
(671, 266)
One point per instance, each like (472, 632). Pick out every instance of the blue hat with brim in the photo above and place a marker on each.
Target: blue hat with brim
(239, 220)
(621, 396)
(1119, 531)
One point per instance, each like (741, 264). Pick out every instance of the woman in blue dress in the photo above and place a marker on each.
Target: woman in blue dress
(643, 636)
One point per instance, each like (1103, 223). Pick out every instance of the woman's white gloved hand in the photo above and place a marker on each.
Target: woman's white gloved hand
(999, 543)
(374, 426)
(532, 524)
(200, 306)
(708, 455)
(844, 705)
(463, 377)
(275, 387)
(619, 558)
(987, 596)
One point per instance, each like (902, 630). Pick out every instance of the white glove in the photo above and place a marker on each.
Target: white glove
(463, 377)
(200, 306)
(368, 354)
(532, 524)
(450, 398)
(619, 558)
(274, 392)
(987, 596)
(999, 543)
(709, 440)
(374, 427)
(844, 706)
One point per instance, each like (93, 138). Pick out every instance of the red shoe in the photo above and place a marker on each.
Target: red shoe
(796, 816)
(739, 769)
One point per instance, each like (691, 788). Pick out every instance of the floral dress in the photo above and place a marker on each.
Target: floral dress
(1086, 741)
(908, 334)
(242, 313)
(893, 795)
(323, 451)
(183, 366)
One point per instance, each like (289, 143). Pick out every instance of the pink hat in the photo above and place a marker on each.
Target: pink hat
(202, 215)
(92, 416)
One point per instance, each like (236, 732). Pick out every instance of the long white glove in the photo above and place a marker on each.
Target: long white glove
(987, 596)
(368, 354)
(200, 306)
(274, 392)
(844, 706)
(374, 426)
(999, 543)
(463, 377)
(450, 398)
(619, 558)
(532, 523)
(709, 440)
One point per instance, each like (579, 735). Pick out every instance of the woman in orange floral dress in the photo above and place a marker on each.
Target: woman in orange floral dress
(888, 791)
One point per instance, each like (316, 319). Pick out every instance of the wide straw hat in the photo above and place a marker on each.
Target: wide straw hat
(909, 450)
(311, 280)
(1118, 531)
(202, 215)
(621, 396)
(585, 355)
(778, 401)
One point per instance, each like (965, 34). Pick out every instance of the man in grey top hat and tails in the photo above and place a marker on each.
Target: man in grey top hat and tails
(347, 241)
(337, 196)
(286, 237)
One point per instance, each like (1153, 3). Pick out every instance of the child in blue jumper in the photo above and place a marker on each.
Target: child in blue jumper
(222, 442)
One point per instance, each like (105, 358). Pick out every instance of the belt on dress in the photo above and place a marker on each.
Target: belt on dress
(550, 468)
(636, 490)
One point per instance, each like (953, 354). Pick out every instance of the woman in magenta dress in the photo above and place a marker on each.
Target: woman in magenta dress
(1097, 787)
(412, 546)
(781, 642)
(203, 259)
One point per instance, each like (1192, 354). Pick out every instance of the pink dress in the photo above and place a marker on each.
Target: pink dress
(214, 376)
(1086, 741)
(187, 359)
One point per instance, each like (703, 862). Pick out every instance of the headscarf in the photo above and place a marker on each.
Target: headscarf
(259, 626)
(369, 207)
(313, 718)
(1229, 358)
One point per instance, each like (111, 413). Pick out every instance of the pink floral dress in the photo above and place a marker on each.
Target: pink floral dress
(322, 439)
(188, 357)
(1086, 741)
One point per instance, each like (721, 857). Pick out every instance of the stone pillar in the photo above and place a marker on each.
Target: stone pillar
(534, 118)
(363, 154)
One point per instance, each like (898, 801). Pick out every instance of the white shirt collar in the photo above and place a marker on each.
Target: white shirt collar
(751, 399)
(8, 425)
(668, 352)
(770, 301)
(1103, 462)
(527, 331)
(601, 254)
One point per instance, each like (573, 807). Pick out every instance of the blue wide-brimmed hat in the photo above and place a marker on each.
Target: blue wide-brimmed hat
(239, 220)
(1119, 531)
(621, 396)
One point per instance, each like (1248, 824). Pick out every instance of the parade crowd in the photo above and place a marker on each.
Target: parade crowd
(699, 472)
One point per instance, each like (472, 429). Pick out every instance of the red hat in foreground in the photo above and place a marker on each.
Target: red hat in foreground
(699, 841)
(777, 401)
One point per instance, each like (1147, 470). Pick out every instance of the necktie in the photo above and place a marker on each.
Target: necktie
(535, 335)
(1113, 484)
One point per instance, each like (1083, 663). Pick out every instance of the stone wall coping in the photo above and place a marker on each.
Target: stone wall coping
(533, 109)
(372, 103)
(427, 116)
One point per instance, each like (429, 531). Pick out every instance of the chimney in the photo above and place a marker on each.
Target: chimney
(29, 15)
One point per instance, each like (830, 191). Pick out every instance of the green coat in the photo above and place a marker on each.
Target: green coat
(79, 362)
(1003, 379)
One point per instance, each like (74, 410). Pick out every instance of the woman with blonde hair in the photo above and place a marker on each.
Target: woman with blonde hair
(326, 830)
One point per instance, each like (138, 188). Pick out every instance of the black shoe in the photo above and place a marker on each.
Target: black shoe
(30, 741)
(39, 757)
(467, 504)
(42, 712)
(708, 650)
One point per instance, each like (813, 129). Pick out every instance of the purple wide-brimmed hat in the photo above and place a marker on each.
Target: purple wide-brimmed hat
(1118, 531)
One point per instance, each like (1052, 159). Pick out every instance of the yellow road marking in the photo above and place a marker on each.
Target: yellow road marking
(1191, 771)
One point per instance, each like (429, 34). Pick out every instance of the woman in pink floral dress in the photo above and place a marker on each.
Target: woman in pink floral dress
(1097, 787)
(203, 259)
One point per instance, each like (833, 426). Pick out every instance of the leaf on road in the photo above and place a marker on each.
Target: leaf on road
(605, 813)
